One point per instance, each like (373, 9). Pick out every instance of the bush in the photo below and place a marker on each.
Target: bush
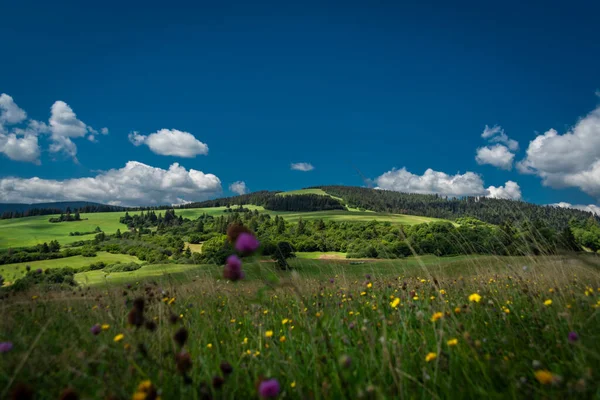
(60, 276)
(93, 267)
(118, 267)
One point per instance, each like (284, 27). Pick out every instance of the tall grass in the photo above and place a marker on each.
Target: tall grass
(324, 330)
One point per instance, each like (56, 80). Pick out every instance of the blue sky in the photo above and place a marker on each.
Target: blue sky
(353, 88)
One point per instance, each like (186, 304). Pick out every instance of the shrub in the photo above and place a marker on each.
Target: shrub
(118, 267)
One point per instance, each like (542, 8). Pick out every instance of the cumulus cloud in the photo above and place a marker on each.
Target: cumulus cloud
(134, 184)
(62, 126)
(589, 208)
(10, 112)
(497, 155)
(239, 187)
(170, 142)
(489, 132)
(302, 166)
(20, 149)
(435, 182)
(511, 191)
(568, 160)
(18, 144)
(500, 155)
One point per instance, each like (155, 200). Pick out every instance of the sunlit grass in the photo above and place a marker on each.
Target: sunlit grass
(326, 330)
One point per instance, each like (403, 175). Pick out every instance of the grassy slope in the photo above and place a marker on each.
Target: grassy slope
(12, 271)
(315, 268)
(22, 232)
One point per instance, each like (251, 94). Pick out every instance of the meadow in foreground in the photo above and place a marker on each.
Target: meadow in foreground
(525, 331)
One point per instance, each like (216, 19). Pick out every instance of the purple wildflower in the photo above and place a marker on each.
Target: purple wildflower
(331, 280)
(269, 388)
(233, 268)
(5, 347)
(96, 329)
(246, 243)
(39, 270)
(573, 337)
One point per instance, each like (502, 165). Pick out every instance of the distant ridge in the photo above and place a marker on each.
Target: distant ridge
(60, 205)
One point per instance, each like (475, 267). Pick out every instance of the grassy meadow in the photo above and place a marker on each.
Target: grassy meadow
(465, 327)
(10, 272)
(29, 231)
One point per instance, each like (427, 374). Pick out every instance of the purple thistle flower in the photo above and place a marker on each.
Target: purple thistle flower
(331, 280)
(5, 347)
(233, 268)
(246, 243)
(573, 337)
(39, 270)
(269, 388)
(96, 329)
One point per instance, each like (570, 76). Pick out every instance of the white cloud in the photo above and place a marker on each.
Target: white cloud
(497, 155)
(171, 142)
(489, 132)
(20, 149)
(64, 122)
(513, 145)
(589, 208)
(511, 190)
(302, 166)
(435, 182)
(568, 160)
(134, 184)
(239, 187)
(10, 113)
(63, 126)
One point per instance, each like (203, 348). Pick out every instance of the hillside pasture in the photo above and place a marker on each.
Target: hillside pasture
(29, 231)
(10, 272)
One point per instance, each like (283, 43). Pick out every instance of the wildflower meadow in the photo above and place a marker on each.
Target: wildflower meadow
(524, 327)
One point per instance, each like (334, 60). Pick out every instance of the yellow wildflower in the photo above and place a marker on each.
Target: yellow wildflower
(437, 316)
(395, 303)
(282, 339)
(442, 291)
(269, 334)
(548, 302)
(475, 297)
(284, 321)
(105, 327)
(430, 357)
(209, 345)
(452, 342)
(172, 301)
(457, 310)
(293, 384)
(119, 337)
(369, 285)
(544, 377)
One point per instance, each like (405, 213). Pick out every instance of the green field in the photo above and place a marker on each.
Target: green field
(426, 328)
(181, 272)
(29, 231)
(10, 272)
(307, 265)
